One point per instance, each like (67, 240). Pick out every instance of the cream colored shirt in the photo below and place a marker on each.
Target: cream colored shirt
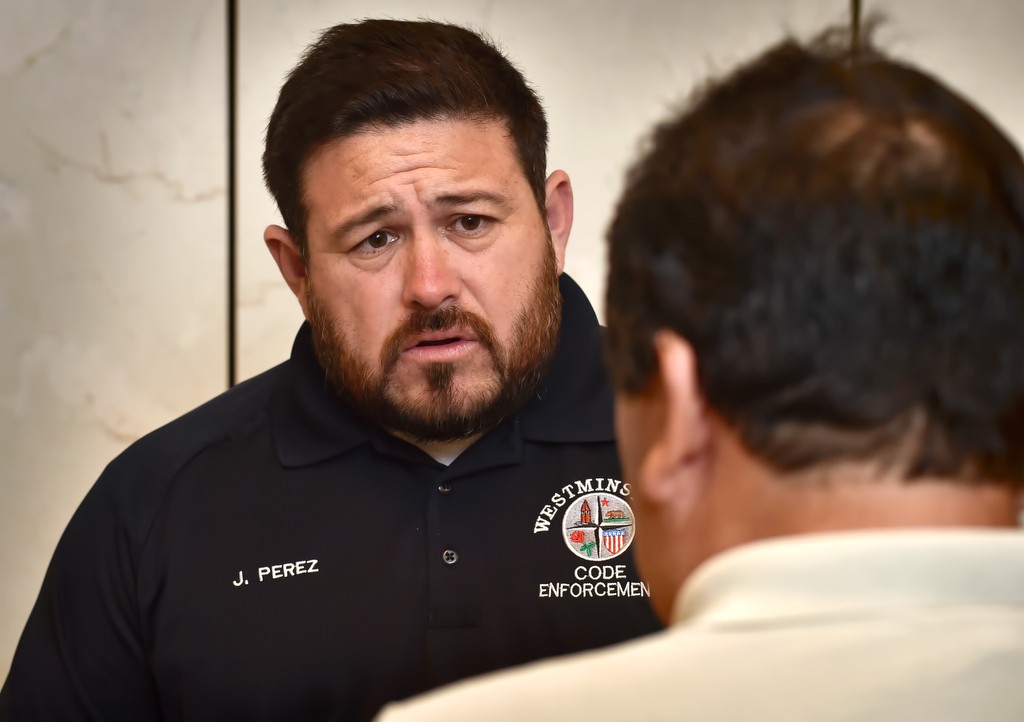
(894, 625)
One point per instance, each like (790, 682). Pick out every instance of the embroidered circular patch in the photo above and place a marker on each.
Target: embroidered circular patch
(598, 526)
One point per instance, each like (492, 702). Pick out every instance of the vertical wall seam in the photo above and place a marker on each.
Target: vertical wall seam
(855, 25)
(231, 52)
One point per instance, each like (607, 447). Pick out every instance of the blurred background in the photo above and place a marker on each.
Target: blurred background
(123, 219)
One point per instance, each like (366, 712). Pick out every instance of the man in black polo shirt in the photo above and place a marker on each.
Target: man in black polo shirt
(426, 490)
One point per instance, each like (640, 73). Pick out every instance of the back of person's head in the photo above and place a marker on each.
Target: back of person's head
(840, 238)
(385, 73)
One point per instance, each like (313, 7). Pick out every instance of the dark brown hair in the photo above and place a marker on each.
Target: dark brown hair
(841, 239)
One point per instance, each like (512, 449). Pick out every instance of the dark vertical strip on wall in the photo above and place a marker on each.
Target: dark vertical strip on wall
(232, 101)
(855, 25)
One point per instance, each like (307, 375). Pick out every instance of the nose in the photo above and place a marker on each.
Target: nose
(431, 278)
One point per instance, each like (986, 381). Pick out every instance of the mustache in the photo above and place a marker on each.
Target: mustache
(437, 319)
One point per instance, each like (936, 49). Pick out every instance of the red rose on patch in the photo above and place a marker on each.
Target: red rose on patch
(576, 537)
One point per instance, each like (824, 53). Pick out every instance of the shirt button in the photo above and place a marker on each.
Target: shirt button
(444, 488)
(450, 556)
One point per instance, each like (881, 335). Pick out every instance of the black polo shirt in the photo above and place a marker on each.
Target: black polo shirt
(269, 557)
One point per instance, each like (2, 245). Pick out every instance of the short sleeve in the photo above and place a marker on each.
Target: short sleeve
(82, 653)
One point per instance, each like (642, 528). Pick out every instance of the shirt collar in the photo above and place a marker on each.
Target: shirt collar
(816, 576)
(572, 404)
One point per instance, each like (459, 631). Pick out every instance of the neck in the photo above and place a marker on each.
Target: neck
(444, 452)
(884, 503)
(746, 501)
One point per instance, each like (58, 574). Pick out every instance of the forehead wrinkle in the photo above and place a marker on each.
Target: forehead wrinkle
(385, 167)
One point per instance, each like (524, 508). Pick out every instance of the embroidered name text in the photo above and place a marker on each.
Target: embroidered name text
(289, 569)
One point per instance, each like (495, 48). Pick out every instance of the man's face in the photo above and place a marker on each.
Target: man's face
(432, 285)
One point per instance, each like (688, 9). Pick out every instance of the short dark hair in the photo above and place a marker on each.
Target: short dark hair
(840, 238)
(386, 73)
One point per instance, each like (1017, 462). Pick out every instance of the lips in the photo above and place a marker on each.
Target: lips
(445, 337)
(440, 342)
(448, 334)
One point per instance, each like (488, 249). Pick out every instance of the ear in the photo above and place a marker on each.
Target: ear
(558, 205)
(289, 260)
(675, 467)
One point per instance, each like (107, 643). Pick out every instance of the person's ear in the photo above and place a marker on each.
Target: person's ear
(289, 260)
(558, 205)
(675, 468)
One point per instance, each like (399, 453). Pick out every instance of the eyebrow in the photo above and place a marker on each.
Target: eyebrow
(371, 216)
(464, 199)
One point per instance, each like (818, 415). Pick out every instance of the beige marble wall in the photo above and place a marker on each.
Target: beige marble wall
(112, 205)
(113, 237)
(605, 69)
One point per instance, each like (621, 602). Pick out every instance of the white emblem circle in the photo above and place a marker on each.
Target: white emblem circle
(598, 527)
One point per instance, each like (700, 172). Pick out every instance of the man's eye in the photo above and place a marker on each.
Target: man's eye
(469, 223)
(378, 239)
